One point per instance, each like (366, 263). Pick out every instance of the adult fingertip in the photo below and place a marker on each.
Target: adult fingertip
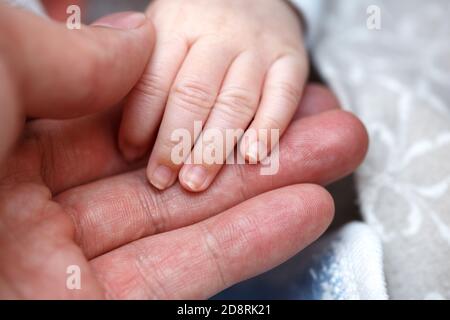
(326, 202)
(357, 131)
(314, 207)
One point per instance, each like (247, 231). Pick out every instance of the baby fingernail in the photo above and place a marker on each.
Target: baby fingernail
(162, 177)
(256, 152)
(122, 20)
(195, 177)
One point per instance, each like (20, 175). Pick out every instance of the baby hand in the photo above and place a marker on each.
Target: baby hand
(234, 64)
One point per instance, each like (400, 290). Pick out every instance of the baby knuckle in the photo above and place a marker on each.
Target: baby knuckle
(237, 101)
(151, 85)
(271, 121)
(193, 95)
(287, 91)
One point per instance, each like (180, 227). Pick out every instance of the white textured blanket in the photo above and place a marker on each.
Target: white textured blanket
(397, 79)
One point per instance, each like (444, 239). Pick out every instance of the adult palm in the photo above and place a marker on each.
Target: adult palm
(68, 199)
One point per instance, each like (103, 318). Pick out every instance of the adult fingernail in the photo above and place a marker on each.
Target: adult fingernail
(195, 178)
(162, 177)
(122, 20)
(256, 152)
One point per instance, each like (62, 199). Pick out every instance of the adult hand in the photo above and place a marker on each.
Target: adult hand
(67, 198)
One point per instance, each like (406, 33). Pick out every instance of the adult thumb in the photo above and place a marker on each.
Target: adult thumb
(60, 73)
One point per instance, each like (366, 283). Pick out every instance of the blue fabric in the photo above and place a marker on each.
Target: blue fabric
(343, 265)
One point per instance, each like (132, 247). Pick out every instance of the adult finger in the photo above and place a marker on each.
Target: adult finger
(67, 153)
(198, 261)
(65, 73)
(108, 213)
